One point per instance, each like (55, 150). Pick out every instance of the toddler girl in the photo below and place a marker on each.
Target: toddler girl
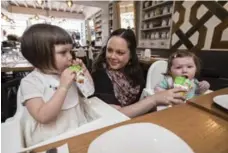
(49, 92)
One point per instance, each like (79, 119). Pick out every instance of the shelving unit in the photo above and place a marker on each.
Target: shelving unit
(86, 30)
(98, 26)
(155, 4)
(158, 16)
(155, 24)
(110, 21)
(156, 28)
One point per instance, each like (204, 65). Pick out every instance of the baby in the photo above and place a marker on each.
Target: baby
(183, 64)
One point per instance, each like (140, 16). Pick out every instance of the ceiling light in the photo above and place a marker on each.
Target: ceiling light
(11, 21)
(69, 3)
(52, 17)
(36, 17)
(40, 2)
(4, 17)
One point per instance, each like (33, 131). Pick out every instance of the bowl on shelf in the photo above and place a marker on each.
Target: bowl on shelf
(146, 16)
(158, 11)
(146, 4)
(156, 23)
(165, 10)
(157, 35)
(167, 35)
(154, 3)
(152, 36)
(163, 35)
(164, 22)
(169, 22)
(152, 13)
(170, 9)
(145, 26)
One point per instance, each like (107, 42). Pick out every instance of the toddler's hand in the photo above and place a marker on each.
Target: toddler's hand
(80, 62)
(203, 86)
(67, 77)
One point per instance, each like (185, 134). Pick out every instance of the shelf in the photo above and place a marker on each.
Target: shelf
(159, 16)
(157, 5)
(156, 28)
(159, 39)
(110, 5)
(98, 21)
(97, 15)
(98, 26)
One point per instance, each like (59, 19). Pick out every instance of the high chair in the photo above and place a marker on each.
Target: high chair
(154, 76)
(12, 130)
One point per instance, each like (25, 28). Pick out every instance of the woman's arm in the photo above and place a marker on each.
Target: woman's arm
(172, 96)
(141, 107)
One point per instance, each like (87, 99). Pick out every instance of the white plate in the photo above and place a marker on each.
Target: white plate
(222, 100)
(139, 138)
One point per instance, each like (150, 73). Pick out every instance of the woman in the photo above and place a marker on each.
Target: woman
(119, 81)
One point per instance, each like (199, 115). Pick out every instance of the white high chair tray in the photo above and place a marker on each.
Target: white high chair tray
(108, 116)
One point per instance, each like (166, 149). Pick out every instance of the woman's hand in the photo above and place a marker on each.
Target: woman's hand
(67, 77)
(169, 97)
(203, 86)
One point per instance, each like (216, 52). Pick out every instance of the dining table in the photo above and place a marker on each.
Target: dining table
(206, 103)
(204, 131)
(16, 68)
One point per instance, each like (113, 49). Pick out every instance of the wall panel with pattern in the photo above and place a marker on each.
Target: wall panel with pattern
(200, 25)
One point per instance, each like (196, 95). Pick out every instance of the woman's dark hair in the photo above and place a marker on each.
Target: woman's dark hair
(132, 70)
(180, 54)
(38, 42)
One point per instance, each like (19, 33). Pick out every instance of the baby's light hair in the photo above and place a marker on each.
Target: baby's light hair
(180, 54)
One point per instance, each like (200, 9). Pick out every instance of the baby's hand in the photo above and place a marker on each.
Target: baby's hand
(203, 86)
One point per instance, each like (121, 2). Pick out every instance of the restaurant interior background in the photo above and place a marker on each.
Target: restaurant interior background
(161, 26)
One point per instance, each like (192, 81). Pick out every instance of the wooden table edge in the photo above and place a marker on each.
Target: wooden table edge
(207, 110)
